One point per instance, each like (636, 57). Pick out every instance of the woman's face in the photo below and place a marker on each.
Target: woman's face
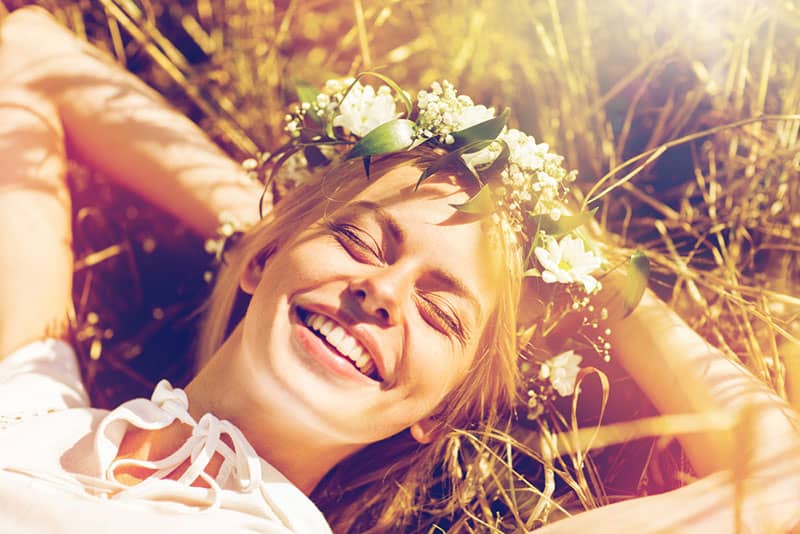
(364, 322)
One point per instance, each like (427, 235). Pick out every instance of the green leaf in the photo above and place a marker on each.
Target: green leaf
(480, 204)
(564, 225)
(367, 161)
(499, 163)
(638, 273)
(392, 136)
(454, 158)
(306, 93)
(483, 131)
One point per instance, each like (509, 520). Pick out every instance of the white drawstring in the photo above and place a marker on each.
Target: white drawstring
(240, 463)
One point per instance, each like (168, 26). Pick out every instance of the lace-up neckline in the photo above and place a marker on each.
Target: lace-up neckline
(241, 466)
(65, 483)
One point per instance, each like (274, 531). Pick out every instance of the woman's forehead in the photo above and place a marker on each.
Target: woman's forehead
(399, 188)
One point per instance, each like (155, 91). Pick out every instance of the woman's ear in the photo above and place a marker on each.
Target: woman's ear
(424, 431)
(251, 275)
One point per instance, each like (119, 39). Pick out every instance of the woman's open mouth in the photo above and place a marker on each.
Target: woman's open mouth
(339, 341)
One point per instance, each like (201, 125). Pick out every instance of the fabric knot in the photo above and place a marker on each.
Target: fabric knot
(173, 401)
(240, 463)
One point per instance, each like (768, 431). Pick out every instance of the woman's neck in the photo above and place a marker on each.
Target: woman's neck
(277, 436)
(302, 461)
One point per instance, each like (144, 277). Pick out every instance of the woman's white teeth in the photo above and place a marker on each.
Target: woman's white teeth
(317, 321)
(336, 336)
(346, 344)
(326, 327)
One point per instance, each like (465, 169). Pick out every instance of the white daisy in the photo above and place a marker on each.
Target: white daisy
(567, 261)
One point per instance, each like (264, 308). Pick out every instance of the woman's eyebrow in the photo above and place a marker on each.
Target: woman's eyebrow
(447, 280)
(383, 217)
(452, 284)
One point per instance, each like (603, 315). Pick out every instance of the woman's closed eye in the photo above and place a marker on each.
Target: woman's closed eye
(357, 242)
(444, 320)
(363, 248)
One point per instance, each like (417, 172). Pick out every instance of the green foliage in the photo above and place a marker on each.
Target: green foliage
(454, 159)
(482, 203)
(482, 131)
(392, 136)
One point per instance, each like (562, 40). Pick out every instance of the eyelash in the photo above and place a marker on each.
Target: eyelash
(347, 236)
(445, 320)
(350, 233)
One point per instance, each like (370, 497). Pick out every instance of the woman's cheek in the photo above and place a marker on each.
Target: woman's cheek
(317, 259)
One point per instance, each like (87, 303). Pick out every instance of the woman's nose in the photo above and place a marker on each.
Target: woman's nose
(381, 293)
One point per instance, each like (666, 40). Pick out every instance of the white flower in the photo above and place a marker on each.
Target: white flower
(337, 86)
(443, 111)
(523, 149)
(363, 109)
(472, 115)
(562, 370)
(567, 261)
(484, 156)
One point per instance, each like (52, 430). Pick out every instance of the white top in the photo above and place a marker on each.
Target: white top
(57, 461)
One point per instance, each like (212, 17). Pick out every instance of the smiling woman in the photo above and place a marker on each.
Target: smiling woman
(378, 268)
(386, 324)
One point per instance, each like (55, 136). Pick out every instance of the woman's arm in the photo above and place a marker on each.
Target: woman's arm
(756, 464)
(35, 213)
(682, 373)
(116, 124)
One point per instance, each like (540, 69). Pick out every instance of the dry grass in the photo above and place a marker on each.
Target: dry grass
(682, 117)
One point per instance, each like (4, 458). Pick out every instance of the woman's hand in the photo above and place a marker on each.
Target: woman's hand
(116, 124)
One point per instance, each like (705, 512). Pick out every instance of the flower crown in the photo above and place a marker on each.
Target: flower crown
(522, 184)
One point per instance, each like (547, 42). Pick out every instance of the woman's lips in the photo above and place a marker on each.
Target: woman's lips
(359, 331)
(323, 353)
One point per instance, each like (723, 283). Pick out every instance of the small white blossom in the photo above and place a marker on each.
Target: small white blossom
(443, 111)
(567, 261)
(363, 109)
(323, 100)
(524, 151)
(336, 86)
(562, 370)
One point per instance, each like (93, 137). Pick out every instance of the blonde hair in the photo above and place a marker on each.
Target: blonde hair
(387, 483)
